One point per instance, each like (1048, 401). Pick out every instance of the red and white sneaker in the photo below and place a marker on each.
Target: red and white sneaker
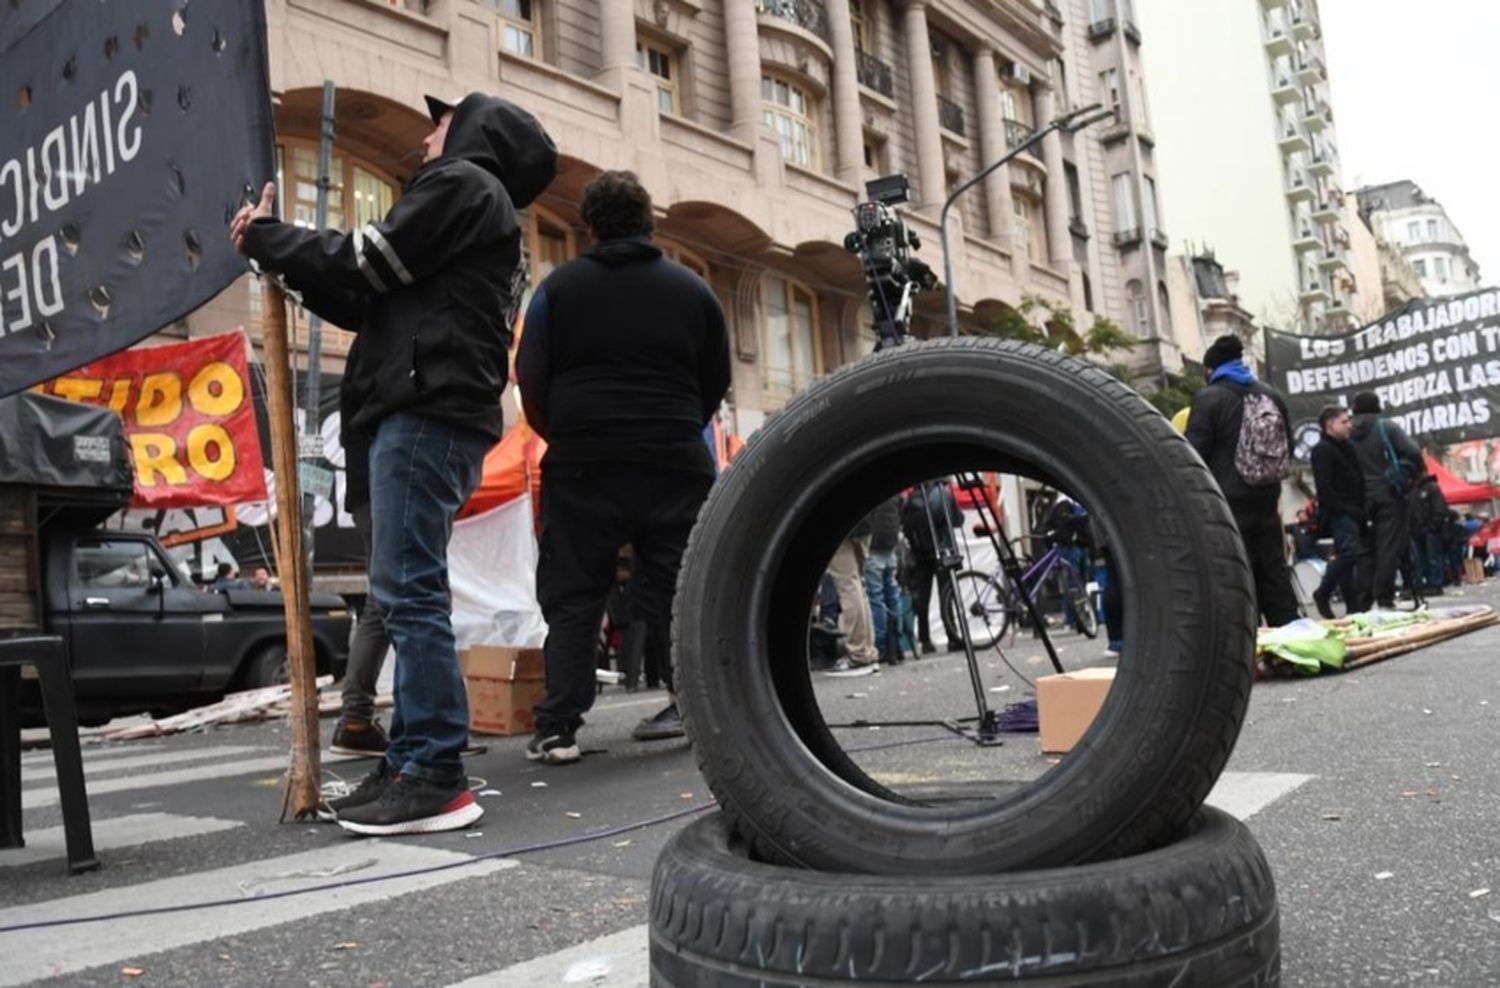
(411, 806)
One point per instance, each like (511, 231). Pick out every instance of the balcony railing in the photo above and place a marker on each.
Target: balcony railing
(1101, 29)
(1128, 238)
(1132, 32)
(1016, 134)
(1160, 239)
(875, 74)
(810, 15)
(950, 115)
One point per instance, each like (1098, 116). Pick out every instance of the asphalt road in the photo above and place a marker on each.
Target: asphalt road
(1376, 795)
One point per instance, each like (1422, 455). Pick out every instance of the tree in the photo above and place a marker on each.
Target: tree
(1057, 329)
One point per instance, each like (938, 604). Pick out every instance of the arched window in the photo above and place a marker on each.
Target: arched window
(1140, 309)
(792, 351)
(550, 243)
(1164, 299)
(790, 112)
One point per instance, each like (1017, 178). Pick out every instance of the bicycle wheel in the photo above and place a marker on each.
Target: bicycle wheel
(1077, 596)
(984, 605)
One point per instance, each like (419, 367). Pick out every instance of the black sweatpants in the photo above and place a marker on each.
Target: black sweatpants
(1260, 529)
(925, 573)
(588, 513)
(1384, 546)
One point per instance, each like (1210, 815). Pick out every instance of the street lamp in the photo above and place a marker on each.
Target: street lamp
(1068, 123)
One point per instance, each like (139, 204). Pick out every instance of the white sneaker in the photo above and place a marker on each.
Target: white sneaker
(844, 667)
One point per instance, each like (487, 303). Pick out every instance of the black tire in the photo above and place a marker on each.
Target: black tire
(926, 410)
(267, 667)
(1201, 911)
(1082, 604)
(984, 604)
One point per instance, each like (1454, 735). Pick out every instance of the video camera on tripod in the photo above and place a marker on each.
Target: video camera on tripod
(884, 245)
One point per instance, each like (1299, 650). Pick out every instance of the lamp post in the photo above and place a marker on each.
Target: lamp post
(1068, 123)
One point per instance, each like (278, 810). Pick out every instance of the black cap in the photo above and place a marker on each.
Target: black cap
(1367, 403)
(436, 108)
(1222, 351)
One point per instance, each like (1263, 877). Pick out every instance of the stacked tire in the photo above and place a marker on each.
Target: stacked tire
(1107, 869)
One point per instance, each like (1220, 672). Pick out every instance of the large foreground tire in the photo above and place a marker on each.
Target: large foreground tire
(1201, 911)
(772, 523)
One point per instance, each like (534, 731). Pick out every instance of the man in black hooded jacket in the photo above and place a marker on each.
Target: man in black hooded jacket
(432, 291)
(1391, 463)
(623, 360)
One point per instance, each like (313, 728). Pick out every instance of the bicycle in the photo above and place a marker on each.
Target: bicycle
(993, 603)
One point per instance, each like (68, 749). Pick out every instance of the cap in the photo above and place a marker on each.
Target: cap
(436, 108)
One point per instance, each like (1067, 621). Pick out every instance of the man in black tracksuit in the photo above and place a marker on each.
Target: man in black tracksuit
(1214, 430)
(432, 291)
(1341, 508)
(623, 360)
(931, 511)
(1378, 442)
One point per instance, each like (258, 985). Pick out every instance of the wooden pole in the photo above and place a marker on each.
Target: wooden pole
(304, 774)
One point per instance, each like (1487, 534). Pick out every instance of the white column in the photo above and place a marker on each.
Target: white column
(848, 130)
(616, 34)
(992, 147)
(742, 38)
(932, 178)
(1059, 240)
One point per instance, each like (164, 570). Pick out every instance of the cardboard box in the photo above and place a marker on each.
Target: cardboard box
(503, 683)
(1067, 703)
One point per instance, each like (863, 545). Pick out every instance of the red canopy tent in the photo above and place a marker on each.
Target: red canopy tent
(1457, 491)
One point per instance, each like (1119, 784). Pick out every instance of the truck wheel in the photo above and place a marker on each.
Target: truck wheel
(1201, 911)
(268, 667)
(929, 410)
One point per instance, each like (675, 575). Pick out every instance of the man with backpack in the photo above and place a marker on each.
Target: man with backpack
(1241, 428)
(1391, 463)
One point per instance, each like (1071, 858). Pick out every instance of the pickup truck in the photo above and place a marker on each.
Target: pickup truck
(144, 639)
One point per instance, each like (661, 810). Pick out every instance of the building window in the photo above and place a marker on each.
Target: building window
(940, 76)
(793, 356)
(1026, 222)
(1101, 10)
(1140, 309)
(859, 20)
(1432, 229)
(1420, 267)
(1414, 232)
(788, 112)
(373, 196)
(1164, 300)
(685, 257)
(1148, 206)
(1142, 117)
(661, 62)
(520, 32)
(1109, 89)
(874, 149)
(1440, 268)
(1060, 74)
(1015, 103)
(1126, 218)
(549, 244)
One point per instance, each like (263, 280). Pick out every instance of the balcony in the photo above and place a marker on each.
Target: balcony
(1128, 238)
(875, 74)
(1279, 43)
(1078, 227)
(1307, 241)
(1272, 4)
(1313, 293)
(1160, 240)
(1326, 212)
(1321, 165)
(1132, 32)
(1332, 262)
(1016, 134)
(950, 115)
(1293, 141)
(1303, 29)
(1286, 91)
(810, 15)
(1311, 71)
(1316, 120)
(1297, 189)
(1101, 29)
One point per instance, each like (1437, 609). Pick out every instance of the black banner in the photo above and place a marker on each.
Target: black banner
(1435, 365)
(130, 133)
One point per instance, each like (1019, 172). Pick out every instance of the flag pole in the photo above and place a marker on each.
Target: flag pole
(304, 774)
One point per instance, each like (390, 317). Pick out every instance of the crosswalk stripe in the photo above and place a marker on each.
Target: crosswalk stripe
(91, 770)
(115, 833)
(619, 960)
(49, 952)
(43, 756)
(622, 960)
(38, 798)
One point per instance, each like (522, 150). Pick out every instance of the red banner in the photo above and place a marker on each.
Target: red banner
(189, 418)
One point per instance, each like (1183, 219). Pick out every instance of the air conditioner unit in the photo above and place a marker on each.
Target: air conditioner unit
(1018, 73)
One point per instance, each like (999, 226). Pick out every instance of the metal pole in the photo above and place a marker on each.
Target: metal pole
(311, 420)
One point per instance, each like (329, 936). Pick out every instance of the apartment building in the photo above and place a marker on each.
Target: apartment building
(1249, 152)
(755, 124)
(1419, 227)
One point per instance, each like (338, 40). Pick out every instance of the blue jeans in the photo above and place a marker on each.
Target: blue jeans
(422, 470)
(884, 591)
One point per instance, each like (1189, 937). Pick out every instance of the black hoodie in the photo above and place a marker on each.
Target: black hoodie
(1369, 442)
(432, 289)
(624, 358)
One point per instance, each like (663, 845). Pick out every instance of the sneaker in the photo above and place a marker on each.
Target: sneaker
(666, 724)
(411, 806)
(553, 747)
(928, 648)
(845, 667)
(367, 791)
(1325, 609)
(360, 738)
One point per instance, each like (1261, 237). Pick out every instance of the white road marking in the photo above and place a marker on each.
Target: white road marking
(43, 953)
(115, 833)
(43, 756)
(619, 960)
(32, 799)
(94, 769)
(1245, 794)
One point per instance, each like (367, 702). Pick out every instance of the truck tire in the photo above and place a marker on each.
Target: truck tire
(927, 410)
(1201, 911)
(267, 667)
